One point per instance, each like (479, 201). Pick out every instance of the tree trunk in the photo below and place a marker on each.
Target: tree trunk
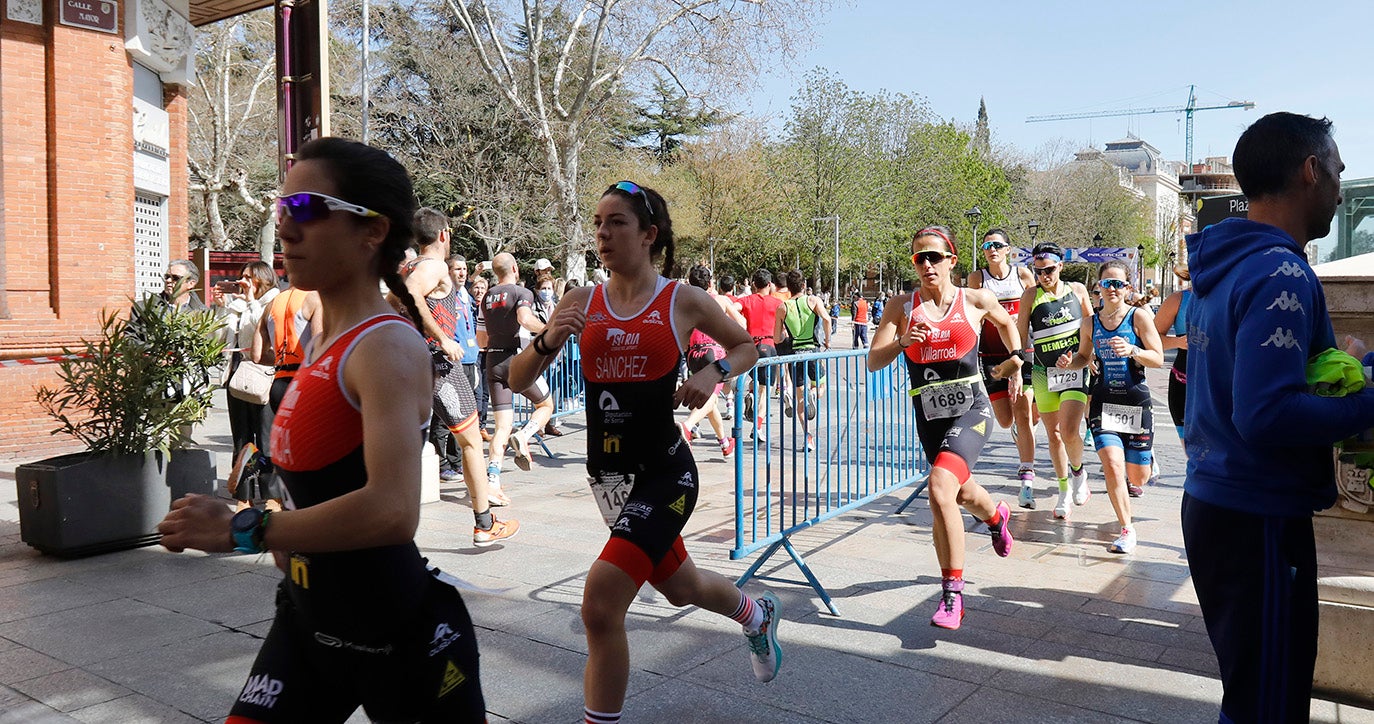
(219, 238)
(267, 241)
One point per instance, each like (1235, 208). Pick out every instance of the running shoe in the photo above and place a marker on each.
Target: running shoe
(686, 432)
(1134, 490)
(449, 475)
(764, 652)
(949, 613)
(521, 446)
(500, 530)
(1001, 533)
(788, 408)
(727, 409)
(810, 404)
(759, 434)
(727, 446)
(1079, 483)
(749, 405)
(1027, 497)
(1064, 507)
(245, 467)
(810, 443)
(1124, 543)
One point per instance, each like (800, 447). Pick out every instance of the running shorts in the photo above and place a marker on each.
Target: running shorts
(455, 403)
(426, 670)
(764, 373)
(498, 387)
(646, 511)
(962, 437)
(1137, 445)
(1047, 401)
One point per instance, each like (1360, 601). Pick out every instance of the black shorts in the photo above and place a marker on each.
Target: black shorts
(427, 671)
(963, 436)
(498, 376)
(807, 370)
(700, 356)
(647, 508)
(997, 389)
(764, 373)
(1178, 388)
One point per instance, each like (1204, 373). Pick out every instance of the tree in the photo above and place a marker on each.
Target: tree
(663, 126)
(982, 138)
(231, 131)
(559, 63)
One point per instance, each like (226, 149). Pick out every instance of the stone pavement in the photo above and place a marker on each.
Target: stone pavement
(1061, 630)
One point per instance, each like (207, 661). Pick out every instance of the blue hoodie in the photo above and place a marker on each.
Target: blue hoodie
(1258, 441)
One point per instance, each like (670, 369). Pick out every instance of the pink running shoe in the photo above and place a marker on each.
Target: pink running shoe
(727, 446)
(1001, 534)
(950, 612)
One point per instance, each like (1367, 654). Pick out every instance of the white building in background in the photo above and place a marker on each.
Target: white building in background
(1144, 170)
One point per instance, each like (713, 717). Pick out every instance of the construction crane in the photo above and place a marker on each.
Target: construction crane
(1187, 110)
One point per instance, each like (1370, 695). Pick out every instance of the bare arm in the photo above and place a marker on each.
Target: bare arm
(1150, 352)
(696, 309)
(423, 279)
(529, 320)
(824, 315)
(779, 323)
(568, 318)
(1164, 321)
(892, 335)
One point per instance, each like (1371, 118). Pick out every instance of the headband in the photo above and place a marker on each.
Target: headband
(1047, 255)
(937, 231)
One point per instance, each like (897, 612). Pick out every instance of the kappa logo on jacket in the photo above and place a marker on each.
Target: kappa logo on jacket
(1288, 268)
(1281, 338)
(1286, 302)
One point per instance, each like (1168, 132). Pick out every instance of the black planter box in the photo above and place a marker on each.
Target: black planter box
(192, 470)
(83, 504)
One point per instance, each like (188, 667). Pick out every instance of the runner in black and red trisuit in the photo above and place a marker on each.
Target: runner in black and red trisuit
(936, 329)
(361, 621)
(632, 330)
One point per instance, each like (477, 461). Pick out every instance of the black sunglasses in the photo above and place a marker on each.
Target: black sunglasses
(1045, 271)
(173, 277)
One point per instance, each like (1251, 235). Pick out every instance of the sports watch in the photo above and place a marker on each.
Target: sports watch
(724, 368)
(247, 528)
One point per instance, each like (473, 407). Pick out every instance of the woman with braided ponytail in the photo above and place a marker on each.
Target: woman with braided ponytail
(361, 621)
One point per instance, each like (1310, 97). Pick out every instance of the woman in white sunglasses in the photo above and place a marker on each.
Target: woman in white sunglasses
(361, 621)
(1125, 342)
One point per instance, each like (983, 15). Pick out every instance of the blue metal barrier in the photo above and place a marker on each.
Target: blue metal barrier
(566, 386)
(865, 446)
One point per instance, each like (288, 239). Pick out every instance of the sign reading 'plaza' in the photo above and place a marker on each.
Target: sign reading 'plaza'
(102, 15)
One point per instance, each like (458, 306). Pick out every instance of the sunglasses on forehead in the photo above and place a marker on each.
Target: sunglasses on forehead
(633, 189)
(930, 257)
(310, 206)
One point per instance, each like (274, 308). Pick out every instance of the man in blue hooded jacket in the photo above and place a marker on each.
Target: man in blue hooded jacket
(1258, 441)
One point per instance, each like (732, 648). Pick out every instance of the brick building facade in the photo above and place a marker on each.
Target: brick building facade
(83, 112)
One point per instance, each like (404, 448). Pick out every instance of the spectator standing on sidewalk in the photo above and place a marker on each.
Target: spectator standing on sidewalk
(242, 302)
(361, 621)
(633, 329)
(859, 317)
(1259, 441)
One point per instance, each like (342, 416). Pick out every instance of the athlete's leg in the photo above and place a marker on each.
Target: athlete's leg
(948, 525)
(1113, 457)
(1025, 427)
(701, 413)
(605, 599)
(1001, 409)
(1054, 440)
(1070, 425)
(692, 586)
(505, 421)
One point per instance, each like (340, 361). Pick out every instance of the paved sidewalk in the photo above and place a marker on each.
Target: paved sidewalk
(1060, 631)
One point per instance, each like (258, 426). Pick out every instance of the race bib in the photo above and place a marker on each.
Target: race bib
(1124, 419)
(951, 399)
(611, 490)
(1062, 379)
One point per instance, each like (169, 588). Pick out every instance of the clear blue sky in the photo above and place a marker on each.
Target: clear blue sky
(1059, 56)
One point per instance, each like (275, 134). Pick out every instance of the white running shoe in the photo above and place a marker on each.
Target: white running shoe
(1124, 543)
(521, 445)
(787, 405)
(1079, 483)
(1027, 497)
(764, 652)
(1064, 508)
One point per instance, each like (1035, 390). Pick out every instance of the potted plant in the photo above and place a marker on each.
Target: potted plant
(130, 396)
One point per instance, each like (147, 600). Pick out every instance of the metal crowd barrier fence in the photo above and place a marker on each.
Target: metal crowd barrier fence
(864, 446)
(566, 386)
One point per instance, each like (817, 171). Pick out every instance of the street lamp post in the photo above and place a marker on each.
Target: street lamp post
(1034, 228)
(973, 215)
(712, 241)
(1140, 265)
(367, 42)
(835, 288)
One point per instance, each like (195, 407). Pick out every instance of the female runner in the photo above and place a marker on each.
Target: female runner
(1007, 283)
(1055, 316)
(1172, 325)
(1125, 342)
(936, 327)
(702, 352)
(360, 619)
(632, 330)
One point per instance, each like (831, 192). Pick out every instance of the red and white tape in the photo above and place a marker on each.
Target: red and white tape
(31, 361)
